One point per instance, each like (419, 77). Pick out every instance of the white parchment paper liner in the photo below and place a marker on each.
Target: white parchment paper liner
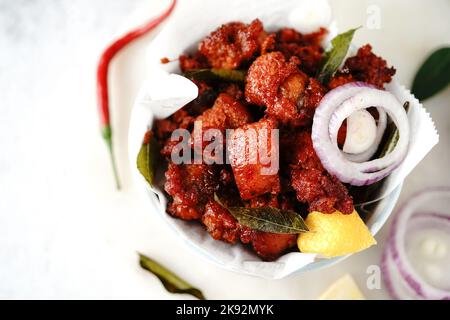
(190, 22)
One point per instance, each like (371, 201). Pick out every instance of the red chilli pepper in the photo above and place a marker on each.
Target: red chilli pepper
(102, 78)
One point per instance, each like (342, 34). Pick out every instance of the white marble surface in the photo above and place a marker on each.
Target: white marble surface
(65, 231)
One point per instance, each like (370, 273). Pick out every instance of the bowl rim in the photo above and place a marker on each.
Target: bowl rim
(382, 216)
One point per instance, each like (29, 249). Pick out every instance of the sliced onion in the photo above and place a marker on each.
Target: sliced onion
(333, 109)
(386, 100)
(393, 280)
(361, 132)
(367, 154)
(400, 273)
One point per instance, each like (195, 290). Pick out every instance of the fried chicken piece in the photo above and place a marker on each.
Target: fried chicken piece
(232, 44)
(265, 76)
(185, 117)
(313, 185)
(193, 62)
(297, 150)
(265, 200)
(220, 224)
(277, 84)
(323, 192)
(339, 79)
(307, 48)
(293, 87)
(310, 101)
(228, 192)
(289, 35)
(234, 90)
(191, 186)
(313, 94)
(164, 127)
(226, 113)
(270, 246)
(271, 200)
(226, 178)
(168, 146)
(268, 44)
(369, 68)
(342, 134)
(253, 175)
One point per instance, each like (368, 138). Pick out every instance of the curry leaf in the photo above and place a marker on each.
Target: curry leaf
(336, 55)
(146, 160)
(433, 75)
(170, 281)
(217, 74)
(268, 219)
(392, 135)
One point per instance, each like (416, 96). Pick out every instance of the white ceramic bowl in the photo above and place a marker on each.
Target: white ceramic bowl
(235, 258)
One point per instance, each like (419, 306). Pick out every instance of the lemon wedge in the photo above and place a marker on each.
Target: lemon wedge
(344, 288)
(334, 234)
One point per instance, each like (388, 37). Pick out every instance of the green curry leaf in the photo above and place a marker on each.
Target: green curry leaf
(268, 219)
(146, 160)
(336, 55)
(433, 75)
(170, 281)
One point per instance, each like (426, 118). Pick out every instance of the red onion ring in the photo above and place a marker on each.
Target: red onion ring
(393, 280)
(437, 220)
(401, 279)
(333, 109)
(375, 97)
